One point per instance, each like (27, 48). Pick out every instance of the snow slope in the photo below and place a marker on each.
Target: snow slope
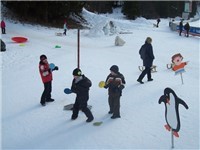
(27, 125)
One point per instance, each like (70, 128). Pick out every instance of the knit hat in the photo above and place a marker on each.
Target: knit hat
(114, 68)
(77, 72)
(148, 40)
(43, 57)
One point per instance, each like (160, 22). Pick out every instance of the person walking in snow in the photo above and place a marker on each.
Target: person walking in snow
(3, 27)
(115, 82)
(187, 29)
(46, 75)
(65, 27)
(81, 86)
(180, 27)
(146, 54)
(158, 21)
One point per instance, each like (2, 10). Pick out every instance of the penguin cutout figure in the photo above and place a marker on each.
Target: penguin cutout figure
(172, 102)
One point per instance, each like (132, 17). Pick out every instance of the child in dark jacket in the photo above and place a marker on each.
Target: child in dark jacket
(115, 83)
(81, 85)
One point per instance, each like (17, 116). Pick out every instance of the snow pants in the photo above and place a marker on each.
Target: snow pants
(81, 104)
(114, 103)
(46, 95)
(3, 30)
(147, 71)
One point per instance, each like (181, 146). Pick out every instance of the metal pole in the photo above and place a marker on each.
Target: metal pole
(172, 139)
(181, 78)
(78, 50)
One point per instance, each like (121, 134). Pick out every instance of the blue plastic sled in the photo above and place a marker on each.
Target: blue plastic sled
(67, 91)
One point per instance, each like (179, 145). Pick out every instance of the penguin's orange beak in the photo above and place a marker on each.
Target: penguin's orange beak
(168, 101)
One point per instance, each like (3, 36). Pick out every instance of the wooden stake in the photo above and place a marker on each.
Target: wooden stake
(78, 49)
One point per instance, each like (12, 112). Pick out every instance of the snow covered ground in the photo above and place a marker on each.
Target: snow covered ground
(27, 125)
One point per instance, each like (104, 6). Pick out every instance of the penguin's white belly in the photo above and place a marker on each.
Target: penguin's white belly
(171, 115)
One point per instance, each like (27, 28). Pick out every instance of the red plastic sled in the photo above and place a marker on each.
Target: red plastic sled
(19, 39)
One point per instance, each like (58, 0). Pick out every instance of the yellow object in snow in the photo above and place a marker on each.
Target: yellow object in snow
(22, 44)
(102, 84)
(97, 123)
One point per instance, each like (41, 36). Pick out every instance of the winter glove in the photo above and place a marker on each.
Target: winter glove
(118, 89)
(55, 68)
(121, 87)
(106, 86)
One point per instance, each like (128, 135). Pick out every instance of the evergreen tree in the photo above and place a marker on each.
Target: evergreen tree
(45, 11)
(130, 9)
(54, 12)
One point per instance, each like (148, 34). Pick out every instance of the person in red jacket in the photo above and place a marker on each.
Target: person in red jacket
(46, 75)
(3, 27)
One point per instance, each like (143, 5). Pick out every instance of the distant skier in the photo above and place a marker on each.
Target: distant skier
(65, 27)
(146, 54)
(187, 29)
(180, 27)
(158, 21)
(115, 83)
(3, 27)
(46, 75)
(81, 86)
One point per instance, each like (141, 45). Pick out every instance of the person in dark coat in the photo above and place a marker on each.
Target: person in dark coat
(158, 21)
(3, 27)
(65, 27)
(115, 83)
(3, 46)
(146, 54)
(46, 75)
(81, 85)
(180, 27)
(187, 28)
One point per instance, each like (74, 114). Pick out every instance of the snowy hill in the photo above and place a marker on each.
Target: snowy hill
(28, 125)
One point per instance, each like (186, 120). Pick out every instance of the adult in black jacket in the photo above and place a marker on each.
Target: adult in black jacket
(81, 85)
(146, 53)
(115, 83)
(187, 28)
(158, 21)
(180, 27)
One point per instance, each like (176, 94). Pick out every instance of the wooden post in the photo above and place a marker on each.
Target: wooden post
(78, 49)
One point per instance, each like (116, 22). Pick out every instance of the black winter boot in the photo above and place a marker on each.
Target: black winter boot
(140, 81)
(73, 117)
(90, 119)
(88, 114)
